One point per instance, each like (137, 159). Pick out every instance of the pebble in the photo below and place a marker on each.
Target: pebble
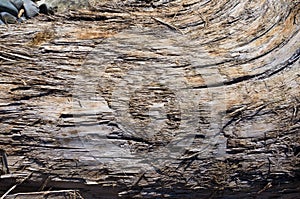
(8, 18)
(17, 11)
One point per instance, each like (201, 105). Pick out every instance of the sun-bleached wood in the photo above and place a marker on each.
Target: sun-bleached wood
(95, 100)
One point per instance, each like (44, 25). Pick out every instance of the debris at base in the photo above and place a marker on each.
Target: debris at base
(62, 194)
(17, 11)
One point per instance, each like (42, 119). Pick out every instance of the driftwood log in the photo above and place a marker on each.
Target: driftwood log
(150, 99)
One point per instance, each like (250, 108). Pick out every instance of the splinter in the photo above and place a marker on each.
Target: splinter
(3, 160)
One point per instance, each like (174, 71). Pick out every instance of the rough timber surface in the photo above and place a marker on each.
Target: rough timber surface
(149, 99)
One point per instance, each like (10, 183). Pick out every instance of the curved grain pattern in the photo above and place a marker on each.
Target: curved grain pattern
(154, 99)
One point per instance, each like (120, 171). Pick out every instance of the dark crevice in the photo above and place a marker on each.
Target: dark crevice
(126, 137)
(37, 146)
(21, 88)
(88, 18)
(259, 76)
(42, 94)
(287, 63)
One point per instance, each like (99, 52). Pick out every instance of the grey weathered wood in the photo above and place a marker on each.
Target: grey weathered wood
(49, 194)
(95, 100)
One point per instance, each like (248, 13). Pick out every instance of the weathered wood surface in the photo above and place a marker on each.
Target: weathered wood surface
(174, 99)
(47, 194)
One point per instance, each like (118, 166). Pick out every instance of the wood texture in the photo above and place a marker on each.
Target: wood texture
(175, 99)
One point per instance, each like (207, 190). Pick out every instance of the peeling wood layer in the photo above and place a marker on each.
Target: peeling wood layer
(153, 99)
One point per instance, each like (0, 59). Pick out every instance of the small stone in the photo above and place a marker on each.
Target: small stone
(17, 3)
(21, 19)
(31, 9)
(8, 18)
(7, 6)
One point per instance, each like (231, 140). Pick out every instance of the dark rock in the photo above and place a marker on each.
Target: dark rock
(31, 9)
(21, 19)
(8, 18)
(7, 6)
(17, 3)
(44, 9)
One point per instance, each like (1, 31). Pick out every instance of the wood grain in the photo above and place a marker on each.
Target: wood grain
(146, 99)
